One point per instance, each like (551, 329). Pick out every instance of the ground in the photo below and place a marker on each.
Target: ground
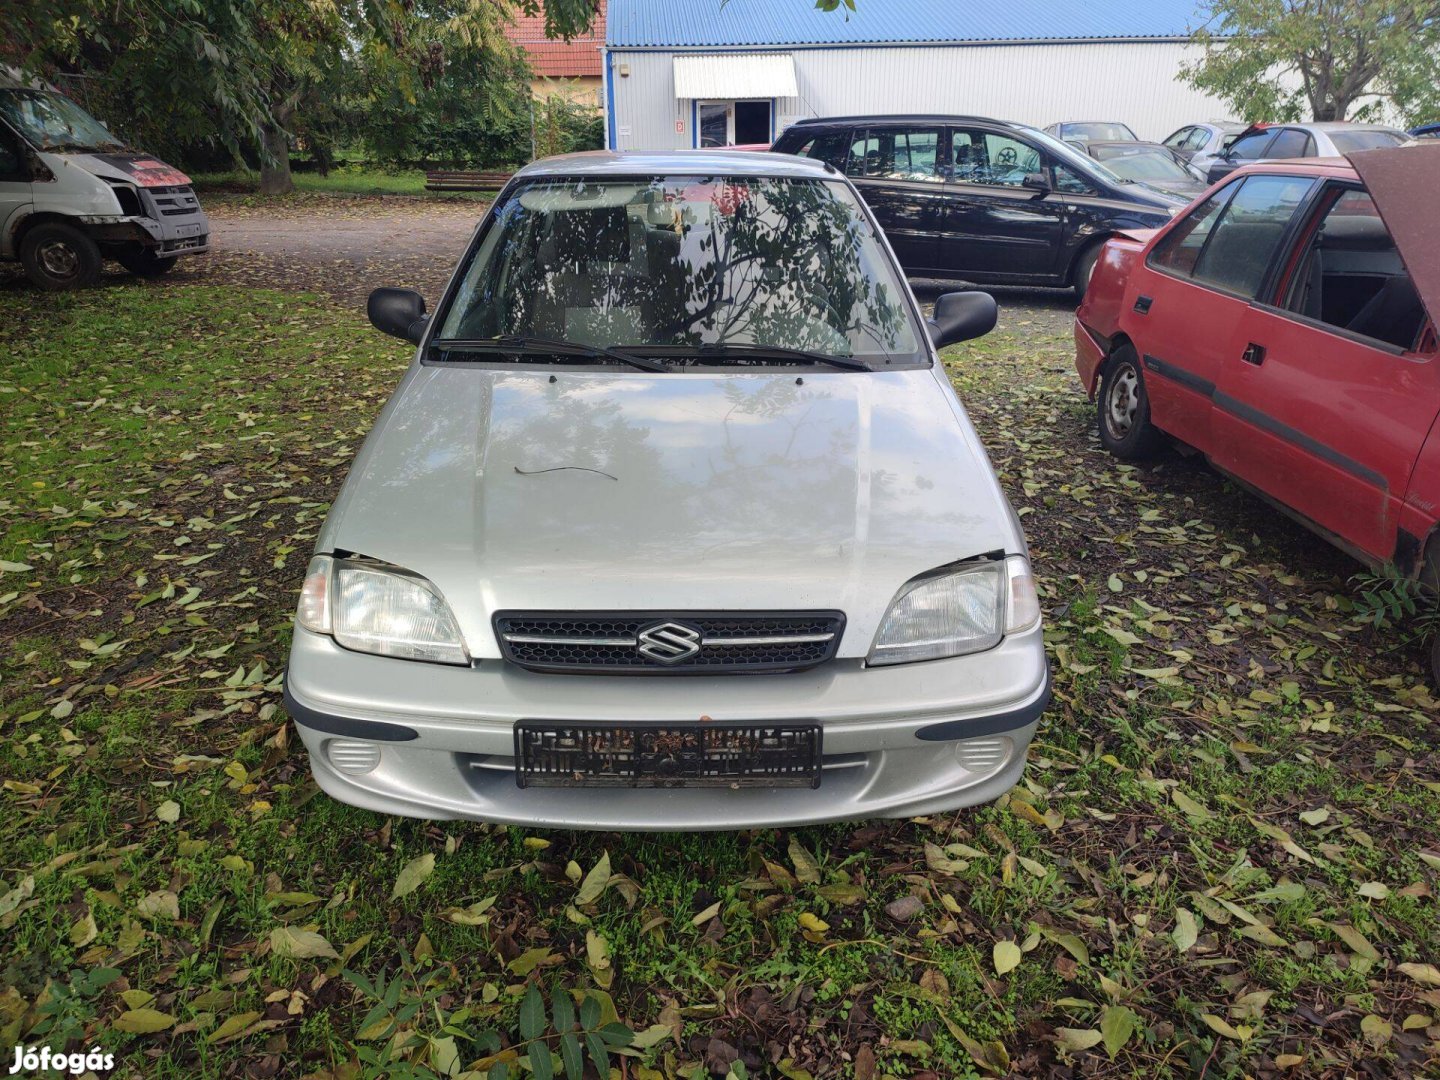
(1221, 861)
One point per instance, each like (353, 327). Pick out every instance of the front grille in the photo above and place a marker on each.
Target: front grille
(174, 201)
(641, 643)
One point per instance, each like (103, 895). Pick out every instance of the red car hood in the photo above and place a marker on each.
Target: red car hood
(1403, 181)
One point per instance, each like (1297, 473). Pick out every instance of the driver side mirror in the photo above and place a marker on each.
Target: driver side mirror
(962, 316)
(399, 313)
(1037, 182)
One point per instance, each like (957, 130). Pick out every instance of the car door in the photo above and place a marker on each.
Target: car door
(1324, 401)
(15, 195)
(1245, 149)
(900, 172)
(995, 228)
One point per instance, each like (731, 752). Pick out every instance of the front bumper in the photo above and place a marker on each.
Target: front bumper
(898, 741)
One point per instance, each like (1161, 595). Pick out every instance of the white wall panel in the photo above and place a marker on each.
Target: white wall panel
(1037, 84)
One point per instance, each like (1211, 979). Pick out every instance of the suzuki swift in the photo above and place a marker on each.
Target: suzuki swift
(674, 522)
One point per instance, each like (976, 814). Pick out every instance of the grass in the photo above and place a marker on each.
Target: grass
(343, 180)
(1221, 853)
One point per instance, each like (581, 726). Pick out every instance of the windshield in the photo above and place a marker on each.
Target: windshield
(1142, 165)
(1347, 142)
(1097, 132)
(52, 121)
(677, 264)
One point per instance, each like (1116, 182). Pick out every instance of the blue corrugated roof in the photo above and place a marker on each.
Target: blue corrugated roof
(711, 23)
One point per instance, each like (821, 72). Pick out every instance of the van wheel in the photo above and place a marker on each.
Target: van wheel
(142, 262)
(1124, 409)
(58, 256)
(1084, 267)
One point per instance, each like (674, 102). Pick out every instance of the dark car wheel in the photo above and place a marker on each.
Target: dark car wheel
(58, 256)
(142, 262)
(1124, 409)
(1084, 267)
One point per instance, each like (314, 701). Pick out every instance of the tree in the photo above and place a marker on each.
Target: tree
(1332, 59)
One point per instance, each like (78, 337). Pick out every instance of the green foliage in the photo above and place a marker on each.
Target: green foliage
(1321, 59)
(1387, 598)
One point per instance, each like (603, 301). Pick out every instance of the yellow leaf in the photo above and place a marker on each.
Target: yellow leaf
(1006, 956)
(143, 1021)
(1424, 974)
(813, 923)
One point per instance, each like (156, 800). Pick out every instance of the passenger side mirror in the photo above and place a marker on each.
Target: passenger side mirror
(962, 316)
(399, 313)
(1037, 182)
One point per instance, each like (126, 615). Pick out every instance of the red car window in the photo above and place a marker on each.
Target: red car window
(1349, 274)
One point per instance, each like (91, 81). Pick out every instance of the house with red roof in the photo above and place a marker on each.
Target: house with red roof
(567, 68)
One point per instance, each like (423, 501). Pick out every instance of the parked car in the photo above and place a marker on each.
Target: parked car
(981, 200)
(1201, 144)
(1279, 142)
(1148, 163)
(1426, 131)
(674, 522)
(1084, 131)
(1285, 328)
(72, 194)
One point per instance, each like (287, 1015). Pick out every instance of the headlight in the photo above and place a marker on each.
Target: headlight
(381, 610)
(961, 609)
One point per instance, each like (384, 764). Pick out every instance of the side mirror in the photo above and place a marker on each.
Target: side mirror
(962, 316)
(1037, 182)
(399, 313)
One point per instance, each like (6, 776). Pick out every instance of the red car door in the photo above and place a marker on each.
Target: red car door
(1325, 402)
(1187, 301)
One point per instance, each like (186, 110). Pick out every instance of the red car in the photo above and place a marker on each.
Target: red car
(1284, 326)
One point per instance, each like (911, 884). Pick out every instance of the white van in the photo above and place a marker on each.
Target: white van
(72, 194)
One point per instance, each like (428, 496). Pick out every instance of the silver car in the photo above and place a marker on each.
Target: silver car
(674, 522)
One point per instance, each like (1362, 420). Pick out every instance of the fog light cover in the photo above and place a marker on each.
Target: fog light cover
(352, 756)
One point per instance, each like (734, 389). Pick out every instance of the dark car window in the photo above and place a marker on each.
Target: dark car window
(1243, 241)
(1178, 250)
(831, 146)
(1070, 182)
(1291, 143)
(1178, 140)
(986, 157)
(1347, 142)
(12, 160)
(899, 153)
(1351, 276)
(1251, 147)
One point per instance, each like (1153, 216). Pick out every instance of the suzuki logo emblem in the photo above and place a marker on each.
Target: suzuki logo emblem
(668, 643)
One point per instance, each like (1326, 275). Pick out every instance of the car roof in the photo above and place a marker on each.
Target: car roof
(1131, 145)
(1334, 167)
(901, 118)
(673, 162)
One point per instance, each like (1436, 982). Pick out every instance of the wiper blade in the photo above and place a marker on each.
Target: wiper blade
(527, 343)
(717, 353)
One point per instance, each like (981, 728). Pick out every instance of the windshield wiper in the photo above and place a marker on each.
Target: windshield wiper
(716, 353)
(527, 343)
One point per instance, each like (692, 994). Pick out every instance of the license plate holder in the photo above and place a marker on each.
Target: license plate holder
(698, 755)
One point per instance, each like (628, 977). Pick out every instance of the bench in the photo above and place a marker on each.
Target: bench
(441, 180)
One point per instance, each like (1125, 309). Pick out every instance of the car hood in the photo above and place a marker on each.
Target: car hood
(1403, 180)
(616, 491)
(141, 170)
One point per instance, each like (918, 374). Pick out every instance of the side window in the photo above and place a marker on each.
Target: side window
(1178, 140)
(831, 147)
(864, 152)
(12, 158)
(1070, 182)
(1249, 233)
(1197, 140)
(1178, 250)
(985, 157)
(897, 154)
(1351, 276)
(1291, 143)
(1251, 147)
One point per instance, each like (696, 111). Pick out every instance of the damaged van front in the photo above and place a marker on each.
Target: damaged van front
(72, 195)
